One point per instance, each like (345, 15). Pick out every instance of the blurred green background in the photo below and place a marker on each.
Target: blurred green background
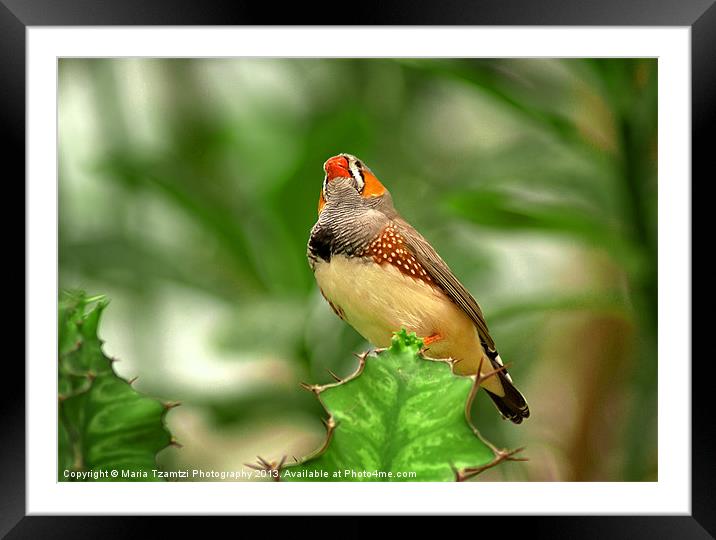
(188, 189)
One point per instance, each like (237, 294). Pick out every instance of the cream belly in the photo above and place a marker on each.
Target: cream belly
(378, 300)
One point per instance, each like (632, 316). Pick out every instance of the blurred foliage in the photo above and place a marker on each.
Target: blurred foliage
(399, 414)
(188, 188)
(104, 424)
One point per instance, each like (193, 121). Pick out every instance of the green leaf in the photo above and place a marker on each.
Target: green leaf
(509, 212)
(400, 412)
(104, 424)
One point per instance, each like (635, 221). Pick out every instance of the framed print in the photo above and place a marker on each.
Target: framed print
(361, 269)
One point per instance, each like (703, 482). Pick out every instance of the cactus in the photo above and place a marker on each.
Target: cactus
(400, 412)
(104, 425)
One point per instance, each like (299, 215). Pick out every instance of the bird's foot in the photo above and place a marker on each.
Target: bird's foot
(427, 341)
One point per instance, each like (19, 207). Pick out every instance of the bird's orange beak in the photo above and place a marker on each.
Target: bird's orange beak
(337, 167)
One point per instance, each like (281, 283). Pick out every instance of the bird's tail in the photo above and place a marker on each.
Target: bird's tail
(512, 405)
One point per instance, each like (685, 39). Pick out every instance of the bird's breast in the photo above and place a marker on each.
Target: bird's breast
(379, 299)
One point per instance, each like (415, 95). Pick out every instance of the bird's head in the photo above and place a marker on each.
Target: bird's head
(348, 179)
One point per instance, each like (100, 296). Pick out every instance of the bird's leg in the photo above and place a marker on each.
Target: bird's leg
(431, 339)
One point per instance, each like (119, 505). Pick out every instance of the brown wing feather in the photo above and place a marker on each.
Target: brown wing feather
(443, 277)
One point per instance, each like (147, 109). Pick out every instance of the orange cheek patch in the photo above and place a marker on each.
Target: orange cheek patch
(373, 187)
(321, 202)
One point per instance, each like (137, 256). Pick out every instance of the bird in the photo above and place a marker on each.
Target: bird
(379, 275)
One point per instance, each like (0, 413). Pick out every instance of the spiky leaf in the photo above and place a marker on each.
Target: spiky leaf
(398, 413)
(104, 424)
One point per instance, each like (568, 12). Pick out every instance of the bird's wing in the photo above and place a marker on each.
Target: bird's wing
(441, 274)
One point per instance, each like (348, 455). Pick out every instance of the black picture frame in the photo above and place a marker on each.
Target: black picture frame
(699, 15)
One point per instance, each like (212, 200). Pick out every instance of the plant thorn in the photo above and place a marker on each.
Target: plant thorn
(311, 387)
